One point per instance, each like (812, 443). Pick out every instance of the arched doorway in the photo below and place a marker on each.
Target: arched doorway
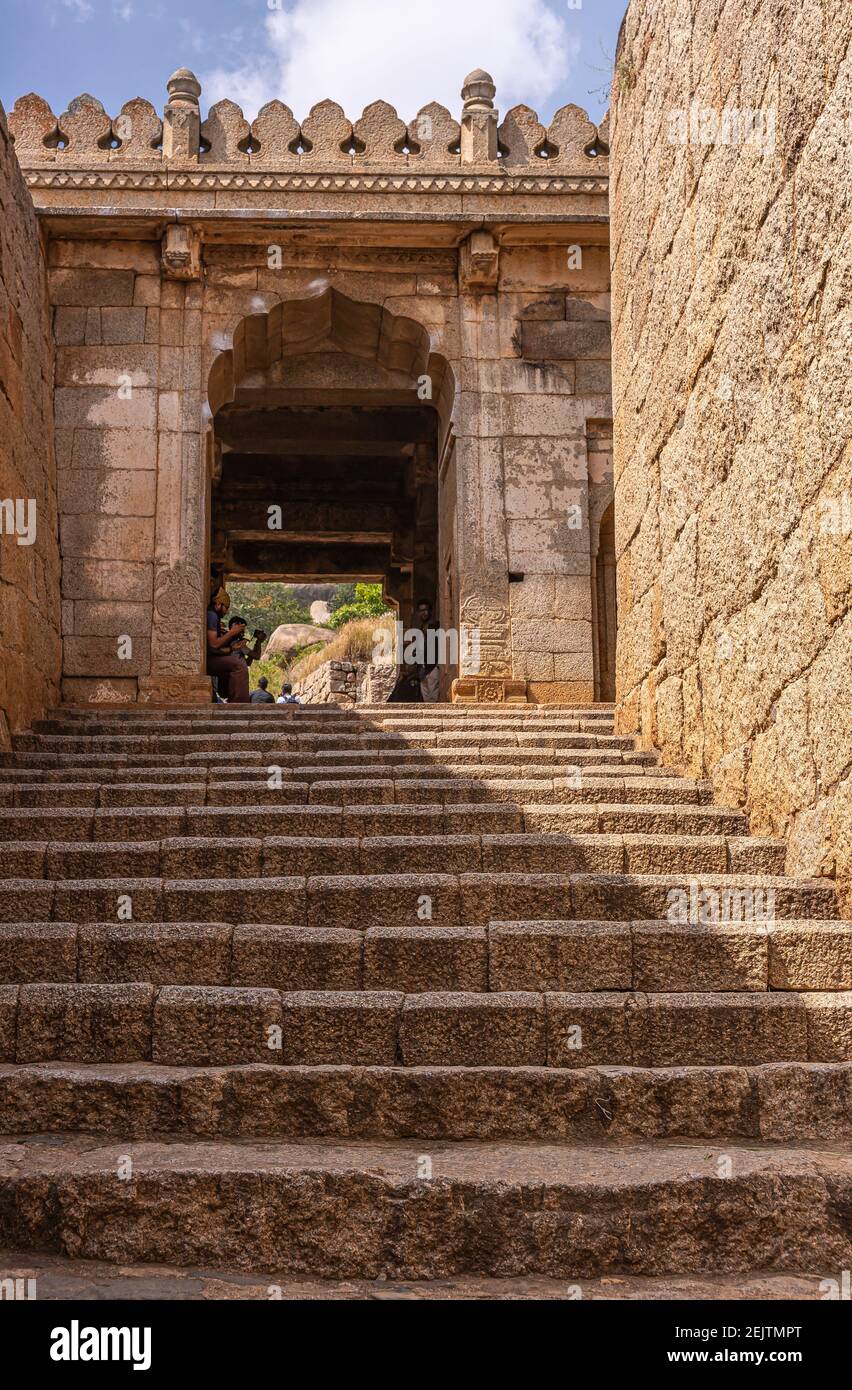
(330, 422)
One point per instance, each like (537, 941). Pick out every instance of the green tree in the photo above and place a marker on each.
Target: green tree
(344, 593)
(266, 605)
(366, 603)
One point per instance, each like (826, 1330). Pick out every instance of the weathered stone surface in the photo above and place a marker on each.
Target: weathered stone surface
(29, 554)
(418, 959)
(293, 959)
(732, 466)
(33, 951)
(84, 1023)
(202, 1026)
(559, 956)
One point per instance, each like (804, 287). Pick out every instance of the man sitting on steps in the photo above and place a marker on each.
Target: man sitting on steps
(261, 696)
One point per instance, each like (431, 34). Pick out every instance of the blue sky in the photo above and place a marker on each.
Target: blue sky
(409, 52)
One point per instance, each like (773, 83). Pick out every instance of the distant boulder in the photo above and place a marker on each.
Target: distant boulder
(286, 638)
(320, 612)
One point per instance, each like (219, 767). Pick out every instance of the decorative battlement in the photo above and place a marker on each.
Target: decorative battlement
(139, 141)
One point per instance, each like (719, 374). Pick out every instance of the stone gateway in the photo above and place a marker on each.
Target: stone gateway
(542, 988)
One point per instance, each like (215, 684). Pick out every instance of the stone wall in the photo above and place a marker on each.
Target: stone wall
(160, 266)
(131, 483)
(29, 553)
(346, 683)
(555, 379)
(732, 282)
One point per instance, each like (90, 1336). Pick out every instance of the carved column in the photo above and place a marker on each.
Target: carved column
(178, 647)
(485, 667)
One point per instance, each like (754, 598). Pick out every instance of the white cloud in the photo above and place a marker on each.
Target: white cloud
(407, 54)
(81, 9)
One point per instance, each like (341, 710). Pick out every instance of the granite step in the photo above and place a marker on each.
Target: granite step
(257, 856)
(140, 740)
(275, 789)
(542, 957)
(60, 1279)
(112, 767)
(354, 1209)
(357, 901)
(209, 1025)
(93, 823)
(782, 1102)
(274, 724)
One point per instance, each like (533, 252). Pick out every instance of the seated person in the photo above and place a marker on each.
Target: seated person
(229, 667)
(287, 697)
(240, 644)
(261, 696)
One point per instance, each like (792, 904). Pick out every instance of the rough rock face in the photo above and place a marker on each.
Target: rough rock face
(29, 554)
(732, 323)
(288, 636)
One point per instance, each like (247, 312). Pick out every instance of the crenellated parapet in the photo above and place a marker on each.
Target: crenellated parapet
(138, 140)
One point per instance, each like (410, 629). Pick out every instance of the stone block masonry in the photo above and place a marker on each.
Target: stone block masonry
(189, 258)
(346, 683)
(733, 400)
(29, 551)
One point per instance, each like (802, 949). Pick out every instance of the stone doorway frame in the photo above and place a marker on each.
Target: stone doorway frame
(300, 327)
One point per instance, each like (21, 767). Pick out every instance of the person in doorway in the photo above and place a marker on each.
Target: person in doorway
(261, 696)
(287, 697)
(227, 666)
(428, 673)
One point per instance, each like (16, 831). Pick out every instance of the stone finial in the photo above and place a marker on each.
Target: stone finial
(182, 118)
(478, 91)
(479, 119)
(183, 88)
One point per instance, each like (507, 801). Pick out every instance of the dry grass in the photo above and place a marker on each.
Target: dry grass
(354, 642)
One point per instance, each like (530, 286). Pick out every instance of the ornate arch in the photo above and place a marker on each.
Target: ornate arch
(297, 326)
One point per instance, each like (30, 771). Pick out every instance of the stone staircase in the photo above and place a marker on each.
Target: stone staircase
(410, 993)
